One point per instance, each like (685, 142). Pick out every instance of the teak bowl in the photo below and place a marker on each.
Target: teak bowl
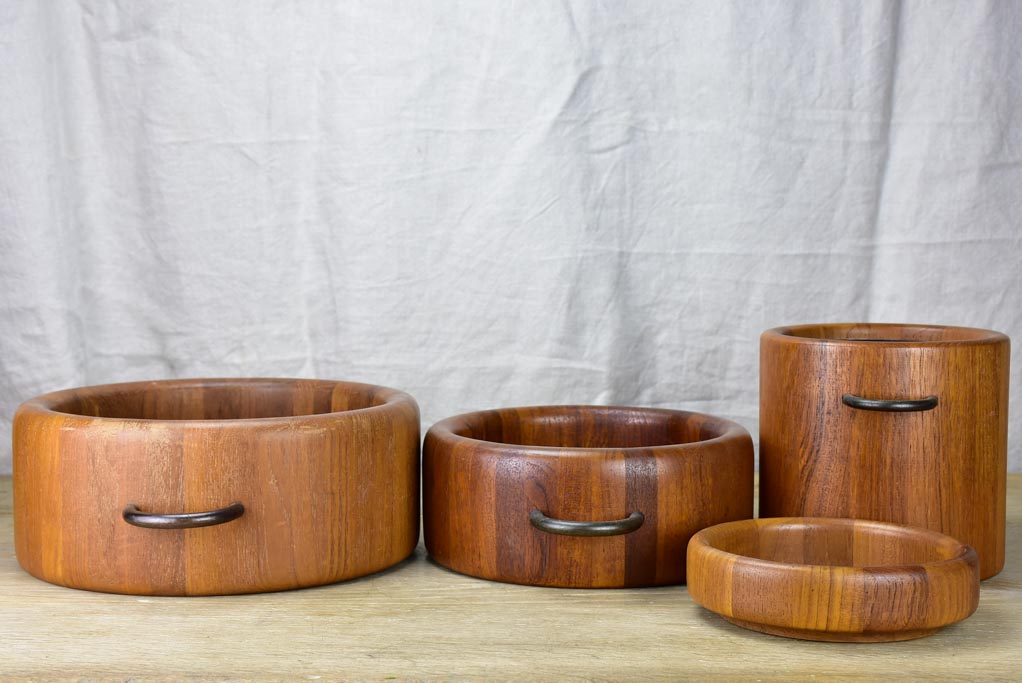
(897, 423)
(580, 496)
(215, 486)
(833, 579)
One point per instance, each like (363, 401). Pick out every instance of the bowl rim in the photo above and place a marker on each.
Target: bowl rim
(963, 550)
(730, 430)
(43, 403)
(977, 335)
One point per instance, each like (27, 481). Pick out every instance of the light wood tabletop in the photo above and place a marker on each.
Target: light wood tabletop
(421, 622)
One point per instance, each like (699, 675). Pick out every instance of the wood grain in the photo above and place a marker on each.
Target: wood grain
(942, 469)
(484, 472)
(833, 579)
(327, 472)
(420, 622)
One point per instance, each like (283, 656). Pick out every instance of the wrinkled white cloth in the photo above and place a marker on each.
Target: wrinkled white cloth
(492, 204)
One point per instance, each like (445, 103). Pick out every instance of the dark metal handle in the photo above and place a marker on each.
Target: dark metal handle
(895, 406)
(614, 527)
(186, 520)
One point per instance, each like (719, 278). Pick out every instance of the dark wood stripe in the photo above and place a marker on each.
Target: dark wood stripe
(641, 495)
(521, 486)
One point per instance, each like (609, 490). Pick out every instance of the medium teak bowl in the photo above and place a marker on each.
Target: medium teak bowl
(580, 496)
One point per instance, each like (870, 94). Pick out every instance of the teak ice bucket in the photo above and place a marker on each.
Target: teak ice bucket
(896, 423)
(198, 487)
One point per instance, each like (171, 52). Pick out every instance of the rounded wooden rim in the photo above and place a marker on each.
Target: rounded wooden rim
(45, 403)
(725, 430)
(957, 550)
(718, 563)
(969, 335)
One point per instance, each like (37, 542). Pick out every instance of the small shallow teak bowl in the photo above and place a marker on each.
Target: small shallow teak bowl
(839, 580)
(215, 486)
(580, 496)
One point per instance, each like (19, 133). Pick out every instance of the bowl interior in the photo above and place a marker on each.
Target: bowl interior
(884, 332)
(216, 399)
(844, 543)
(589, 427)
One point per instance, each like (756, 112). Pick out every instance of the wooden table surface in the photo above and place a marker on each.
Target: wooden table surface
(421, 622)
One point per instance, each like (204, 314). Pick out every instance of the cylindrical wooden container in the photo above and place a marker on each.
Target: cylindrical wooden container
(897, 423)
(580, 496)
(216, 486)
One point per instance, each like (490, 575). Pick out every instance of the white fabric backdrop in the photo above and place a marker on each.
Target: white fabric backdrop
(494, 204)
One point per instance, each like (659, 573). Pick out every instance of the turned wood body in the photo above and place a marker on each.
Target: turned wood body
(941, 468)
(833, 579)
(327, 473)
(485, 472)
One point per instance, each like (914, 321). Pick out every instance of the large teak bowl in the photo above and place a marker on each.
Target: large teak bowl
(833, 579)
(580, 496)
(215, 486)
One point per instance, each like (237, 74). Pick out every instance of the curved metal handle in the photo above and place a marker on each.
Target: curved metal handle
(614, 527)
(186, 520)
(894, 406)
